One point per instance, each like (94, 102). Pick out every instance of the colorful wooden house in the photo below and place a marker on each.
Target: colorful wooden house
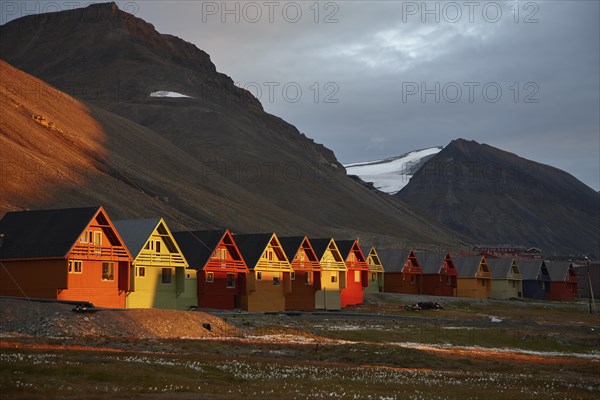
(306, 273)
(563, 280)
(474, 277)
(376, 272)
(66, 254)
(357, 277)
(333, 274)
(535, 279)
(159, 266)
(217, 271)
(403, 273)
(439, 274)
(269, 279)
(506, 278)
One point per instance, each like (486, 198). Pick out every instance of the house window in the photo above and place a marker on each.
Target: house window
(75, 267)
(276, 281)
(157, 246)
(259, 276)
(108, 271)
(150, 245)
(300, 256)
(356, 276)
(98, 238)
(373, 276)
(230, 283)
(483, 282)
(352, 257)
(307, 278)
(333, 278)
(141, 272)
(293, 275)
(166, 275)
(412, 279)
(448, 280)
(210, 277)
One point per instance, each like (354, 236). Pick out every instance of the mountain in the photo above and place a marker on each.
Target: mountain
(390, 175)
(92, 129)
(496, 197)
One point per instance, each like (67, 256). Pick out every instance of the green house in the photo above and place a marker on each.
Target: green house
(376, 272)
(160, 269)
(506, 278)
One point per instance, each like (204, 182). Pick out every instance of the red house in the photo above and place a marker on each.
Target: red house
(439, 274)
(67, 254)
(403, 273)
(563, 281)
(358, 272)
(306, 273)
(221, 270)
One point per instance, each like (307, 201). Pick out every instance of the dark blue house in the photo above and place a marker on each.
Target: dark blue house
(536, 280)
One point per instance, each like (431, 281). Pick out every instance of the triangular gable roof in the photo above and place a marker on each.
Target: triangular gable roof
(48, 233)
(394, 259)
(253, 245)
(373, 252)
(431, 261)
(530, 269)
(558, 270)
(467, 266)
(135, 232)
(199, 246)
(346, 247)
(321, 245)
(291, 245)
(500, 267)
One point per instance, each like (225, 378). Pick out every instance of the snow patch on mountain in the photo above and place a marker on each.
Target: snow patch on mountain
(390, 175)
(165, 93)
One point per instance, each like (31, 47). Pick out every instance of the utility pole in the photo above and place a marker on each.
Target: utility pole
(587, 261)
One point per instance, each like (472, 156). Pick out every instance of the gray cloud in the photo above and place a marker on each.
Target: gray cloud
(377, 50)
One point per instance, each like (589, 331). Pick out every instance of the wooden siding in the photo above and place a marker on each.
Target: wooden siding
(439, 284)
(33, 278)
(333, 278)
(189, 298)
(504, 289)
(376, 272)
(159, 253)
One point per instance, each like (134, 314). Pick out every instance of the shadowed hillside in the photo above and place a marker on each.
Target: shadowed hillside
(215, 159)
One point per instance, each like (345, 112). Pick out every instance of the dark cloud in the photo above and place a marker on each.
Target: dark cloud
(358, 63)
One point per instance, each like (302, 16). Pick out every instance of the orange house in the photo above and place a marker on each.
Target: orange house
(403, 273)
(66, 254)
(306, 273)
(221, 272)
(358, 272)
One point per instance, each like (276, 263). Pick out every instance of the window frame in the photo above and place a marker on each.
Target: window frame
(109, 275)
(210, 277)
(169, 275)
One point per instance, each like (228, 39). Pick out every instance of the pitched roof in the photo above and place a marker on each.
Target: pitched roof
(252, 246)
(393, 259)
(467, 266)
(558, 270)
(500, 267)
(291, 245)
(43, 233)
(530, 269)
(345, 247)
(135, 232)
(431, 261)
(198, 246)
(320, 246)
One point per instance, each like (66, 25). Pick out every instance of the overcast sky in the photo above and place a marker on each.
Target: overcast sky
(381, 78)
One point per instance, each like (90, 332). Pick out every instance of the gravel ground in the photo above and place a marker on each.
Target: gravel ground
(32, 318)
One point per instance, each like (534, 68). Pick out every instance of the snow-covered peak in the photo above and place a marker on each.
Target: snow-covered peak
(390, 175)
(165, 93)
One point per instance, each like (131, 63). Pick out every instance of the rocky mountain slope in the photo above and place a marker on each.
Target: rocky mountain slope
(213, 159)
(496, 197)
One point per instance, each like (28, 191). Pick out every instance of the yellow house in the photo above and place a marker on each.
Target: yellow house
(375, 272)
(474, 277)
(269, 277)
(333, 274)
(160, 269)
